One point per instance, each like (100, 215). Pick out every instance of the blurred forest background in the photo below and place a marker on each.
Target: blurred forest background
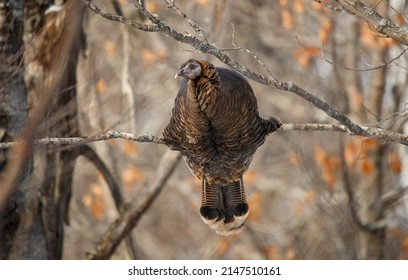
(312, 195)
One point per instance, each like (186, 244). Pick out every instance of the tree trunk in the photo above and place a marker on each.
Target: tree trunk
(32, 224)
(21, 232)
(60, 29)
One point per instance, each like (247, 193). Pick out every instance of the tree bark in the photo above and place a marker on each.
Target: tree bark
(61, 119)
(20, 230)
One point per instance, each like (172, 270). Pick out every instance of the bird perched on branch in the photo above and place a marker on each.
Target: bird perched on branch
(217, 128)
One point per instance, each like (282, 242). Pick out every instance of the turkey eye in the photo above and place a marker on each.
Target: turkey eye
(191, 67)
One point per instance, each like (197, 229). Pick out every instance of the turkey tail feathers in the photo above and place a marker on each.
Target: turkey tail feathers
(224, 208)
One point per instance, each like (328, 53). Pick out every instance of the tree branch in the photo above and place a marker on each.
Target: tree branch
(366, 131)
(134, 210)
(58, 142)
(121, 19)
(114, 189)
(171, 4)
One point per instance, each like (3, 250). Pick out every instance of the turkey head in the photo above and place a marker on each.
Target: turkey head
(216, 126)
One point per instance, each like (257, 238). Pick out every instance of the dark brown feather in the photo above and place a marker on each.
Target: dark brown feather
(217, 128)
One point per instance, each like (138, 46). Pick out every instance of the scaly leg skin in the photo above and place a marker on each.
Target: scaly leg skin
(273, 124)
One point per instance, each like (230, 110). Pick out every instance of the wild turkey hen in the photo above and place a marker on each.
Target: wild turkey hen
(216, 127)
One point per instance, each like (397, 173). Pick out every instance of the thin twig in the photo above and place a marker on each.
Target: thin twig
(121, 19)
(254, 55)
(337, 9)
(172, 5)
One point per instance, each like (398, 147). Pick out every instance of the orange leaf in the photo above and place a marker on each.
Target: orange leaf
(283, 3)
(329, 177)
(399, 19)
(97, 190)
(383, 43)
(162, 55)
(148, 56)
(255, 201)
(95, 201)
(110, 48)
(395, 162)
(356, 99)
(152, 6)
(350, 154)
(367, 166)
(130, 148)
(325, 31)
(367, 36)
(387, 42)
(290, 254)
(101, 86)
(317, 6)
(287, 19)
(368, 145)
(113, 142)
(293, 158)
(319, 154)
(303, 58)
(333, 162)
(313, 51)
(202, 2)
(299, 6)
(273, 252)
(321, 8)
(98, 209)
(87, 200)
(132, 175)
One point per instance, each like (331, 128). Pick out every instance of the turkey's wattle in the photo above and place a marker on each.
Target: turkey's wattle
(217, 128)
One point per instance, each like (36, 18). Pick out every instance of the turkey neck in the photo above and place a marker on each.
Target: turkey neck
(205, 89)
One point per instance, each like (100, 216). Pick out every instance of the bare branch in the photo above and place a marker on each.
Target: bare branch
(56, 142)
(134, 211)
(172, 5)
(254, 56)
(121, 19)
(366, 131)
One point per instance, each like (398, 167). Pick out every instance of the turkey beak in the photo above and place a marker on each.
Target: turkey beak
(180, 73)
